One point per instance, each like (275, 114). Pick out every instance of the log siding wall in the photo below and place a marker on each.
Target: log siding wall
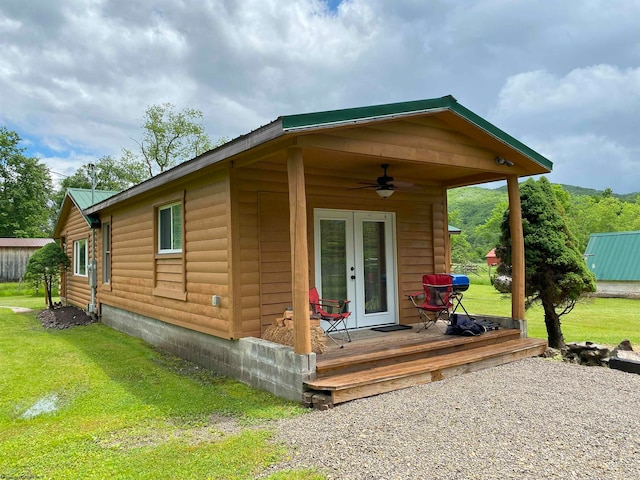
(76, 288)
(175, 288)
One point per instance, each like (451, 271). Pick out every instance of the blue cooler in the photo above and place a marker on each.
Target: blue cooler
(460, 282)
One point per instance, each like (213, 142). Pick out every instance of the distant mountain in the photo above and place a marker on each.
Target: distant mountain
(573, 190)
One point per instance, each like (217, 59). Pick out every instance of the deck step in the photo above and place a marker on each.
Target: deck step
(349, 386)
(394, 354)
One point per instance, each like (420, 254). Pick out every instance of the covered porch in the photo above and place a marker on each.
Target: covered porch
(436, 144)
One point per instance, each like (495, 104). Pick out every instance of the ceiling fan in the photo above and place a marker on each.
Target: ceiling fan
(385, 185)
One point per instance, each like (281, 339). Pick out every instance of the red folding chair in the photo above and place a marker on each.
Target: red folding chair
(334, 312)
(437, 303)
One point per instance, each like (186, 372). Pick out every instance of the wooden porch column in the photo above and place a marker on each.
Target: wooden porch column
(517, 249)
(299, 252)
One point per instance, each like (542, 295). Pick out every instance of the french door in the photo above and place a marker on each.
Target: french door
(355, 260)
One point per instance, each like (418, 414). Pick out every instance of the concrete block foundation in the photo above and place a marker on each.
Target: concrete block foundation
(256, 362)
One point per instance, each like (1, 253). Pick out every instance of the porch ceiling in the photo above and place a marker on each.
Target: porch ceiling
(430, 149)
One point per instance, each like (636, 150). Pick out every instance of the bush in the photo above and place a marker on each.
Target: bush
(502, 283)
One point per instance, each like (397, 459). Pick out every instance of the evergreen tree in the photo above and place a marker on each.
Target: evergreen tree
(556, 274)
(45, 265)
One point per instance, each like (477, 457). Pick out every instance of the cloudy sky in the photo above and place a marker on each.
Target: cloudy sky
(562, 76)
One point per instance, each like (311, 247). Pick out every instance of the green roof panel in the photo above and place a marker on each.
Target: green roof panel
(83, 197)
(614, 256)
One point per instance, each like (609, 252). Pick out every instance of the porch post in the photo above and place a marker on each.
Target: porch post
(299, 252)
(517, 249)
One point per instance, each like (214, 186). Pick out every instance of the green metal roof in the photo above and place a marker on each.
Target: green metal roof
(84, 198)
(375, 112)
(614, 256)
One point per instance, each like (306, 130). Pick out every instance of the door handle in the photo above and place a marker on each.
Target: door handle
(353, 277)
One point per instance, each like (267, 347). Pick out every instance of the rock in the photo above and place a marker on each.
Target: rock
(623, 346)
(551, 353)
(586, 353)
(627, 355)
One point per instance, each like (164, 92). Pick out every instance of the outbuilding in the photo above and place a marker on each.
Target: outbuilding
(15, 254)
(614, 258)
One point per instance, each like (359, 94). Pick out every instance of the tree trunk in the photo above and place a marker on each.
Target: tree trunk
(552, 322)
(48, 283)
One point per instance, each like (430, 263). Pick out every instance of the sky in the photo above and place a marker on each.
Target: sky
(76, 76)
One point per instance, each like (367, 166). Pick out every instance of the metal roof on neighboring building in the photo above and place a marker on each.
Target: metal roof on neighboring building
(614, 256)
(24, 242)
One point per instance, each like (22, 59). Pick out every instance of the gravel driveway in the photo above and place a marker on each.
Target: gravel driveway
(531, 419)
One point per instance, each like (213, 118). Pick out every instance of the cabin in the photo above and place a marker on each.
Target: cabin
(614, 258)
(15, 254)
(203, 258)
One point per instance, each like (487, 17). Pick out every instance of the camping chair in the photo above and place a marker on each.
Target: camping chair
(437, 299)
(335, 312)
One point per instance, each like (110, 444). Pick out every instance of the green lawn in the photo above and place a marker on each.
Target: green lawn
(92, 403)
(601, 320)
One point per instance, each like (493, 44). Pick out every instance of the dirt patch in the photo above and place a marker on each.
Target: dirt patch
(64, 317)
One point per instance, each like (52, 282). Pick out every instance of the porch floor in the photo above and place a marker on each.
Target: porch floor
(377, 362)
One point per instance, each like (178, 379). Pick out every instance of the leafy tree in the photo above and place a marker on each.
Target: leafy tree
(110, 174)
(556, 275)
(170, 138)
(598, 214)
(487, 234)
(45, 265)
(25, 188)
(461, 250)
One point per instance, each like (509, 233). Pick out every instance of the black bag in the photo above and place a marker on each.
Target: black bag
(465, 326)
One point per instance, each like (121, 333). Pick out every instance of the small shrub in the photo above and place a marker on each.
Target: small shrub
(502, 283)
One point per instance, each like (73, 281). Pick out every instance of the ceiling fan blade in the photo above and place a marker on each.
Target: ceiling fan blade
(366, 186)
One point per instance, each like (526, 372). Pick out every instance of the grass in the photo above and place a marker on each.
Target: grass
(602, 320)
(20, 289)
(121, 409)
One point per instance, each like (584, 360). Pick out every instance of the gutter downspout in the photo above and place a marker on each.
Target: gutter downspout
(93, 266)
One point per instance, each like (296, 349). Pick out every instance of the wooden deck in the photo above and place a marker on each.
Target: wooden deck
(377, 362)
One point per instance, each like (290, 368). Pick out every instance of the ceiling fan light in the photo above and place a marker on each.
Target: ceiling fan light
(384, 192)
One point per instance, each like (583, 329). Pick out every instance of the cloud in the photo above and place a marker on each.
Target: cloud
(585, 121)
(593, 161)
(78, 75)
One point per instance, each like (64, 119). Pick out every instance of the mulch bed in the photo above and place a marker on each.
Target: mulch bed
(64, 317)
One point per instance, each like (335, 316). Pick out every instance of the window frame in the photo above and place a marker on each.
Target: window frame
(76, 257)
(172, 224)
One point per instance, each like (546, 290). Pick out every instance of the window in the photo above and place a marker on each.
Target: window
(80, 257)
(170, 228)
(106, 253)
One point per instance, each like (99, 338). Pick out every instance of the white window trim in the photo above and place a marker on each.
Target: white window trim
(168, 250)
(76, 257)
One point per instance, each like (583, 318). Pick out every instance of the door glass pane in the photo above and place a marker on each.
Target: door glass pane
(375, 267)
(333, 259)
